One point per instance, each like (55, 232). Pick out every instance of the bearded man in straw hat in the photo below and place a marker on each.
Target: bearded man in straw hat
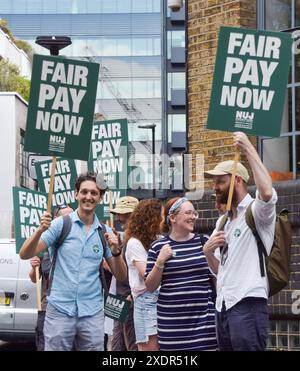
(232, 254)
(123, 337)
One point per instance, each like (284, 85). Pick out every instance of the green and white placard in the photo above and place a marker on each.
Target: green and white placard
(61, 107)
(109, 157)
(64, 181)
(29, 206)
(250, 81)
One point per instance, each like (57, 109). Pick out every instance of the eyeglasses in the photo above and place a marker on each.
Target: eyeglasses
(190, 213)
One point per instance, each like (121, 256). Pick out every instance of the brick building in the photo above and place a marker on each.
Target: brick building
(204, 17)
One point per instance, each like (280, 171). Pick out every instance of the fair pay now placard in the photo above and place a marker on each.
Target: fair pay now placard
(250, 81)
(61, 107)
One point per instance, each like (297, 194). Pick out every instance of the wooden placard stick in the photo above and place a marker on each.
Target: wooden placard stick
(51, 187)
(110, 208)
(234, 170)
(38, 289)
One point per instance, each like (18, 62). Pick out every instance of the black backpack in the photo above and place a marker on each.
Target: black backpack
(49, 266)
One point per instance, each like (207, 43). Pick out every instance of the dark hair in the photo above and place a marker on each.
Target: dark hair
(144, 222)
(94, 177)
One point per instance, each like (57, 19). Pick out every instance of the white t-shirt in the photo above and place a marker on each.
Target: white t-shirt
(239, 270)
(135, 252)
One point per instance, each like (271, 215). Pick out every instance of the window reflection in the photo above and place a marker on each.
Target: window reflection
(176, 81)
(175, 39)
(297, 13)
(176, 123)
(298, 157)
(297, 108)
(278, 14)
(279, 167)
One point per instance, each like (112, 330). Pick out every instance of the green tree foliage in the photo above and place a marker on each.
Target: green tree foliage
(21, 44)
(10, 79)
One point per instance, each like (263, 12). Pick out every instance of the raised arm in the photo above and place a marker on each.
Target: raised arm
(261, 176)
(116, 263)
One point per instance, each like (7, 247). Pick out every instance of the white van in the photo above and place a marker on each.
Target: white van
(18, 307)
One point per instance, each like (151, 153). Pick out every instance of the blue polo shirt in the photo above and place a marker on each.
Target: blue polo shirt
(76, 288)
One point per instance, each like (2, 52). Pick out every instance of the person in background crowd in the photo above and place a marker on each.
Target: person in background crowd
(75, 305)
(185, 307)
(242, 311)
(44, 265)
(123, 337)
(142, 230)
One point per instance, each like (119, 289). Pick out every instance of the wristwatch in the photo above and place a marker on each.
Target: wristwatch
(115, 254)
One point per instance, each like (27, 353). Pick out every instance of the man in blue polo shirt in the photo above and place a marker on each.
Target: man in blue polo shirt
(75, 305)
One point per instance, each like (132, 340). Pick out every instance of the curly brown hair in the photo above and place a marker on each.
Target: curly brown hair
(144, 222)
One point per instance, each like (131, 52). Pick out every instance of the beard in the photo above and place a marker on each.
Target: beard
(222, 197)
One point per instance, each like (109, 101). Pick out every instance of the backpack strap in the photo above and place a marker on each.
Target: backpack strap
(260, 245)
(221, 228)
(66, 228)
(101, 231)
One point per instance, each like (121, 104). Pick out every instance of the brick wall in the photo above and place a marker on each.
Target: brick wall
(288, 197)
(204, 20)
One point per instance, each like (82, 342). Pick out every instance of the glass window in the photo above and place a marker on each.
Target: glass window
(298, 157)
(109, 6)
(142, 46)
(35, 7)
(279, 17)
(294, 326)
(6, 6)
(78, 6)
(287, 117)
(109, 47)
(278, 14)
(297, 108)
(64, 6)
(156, 6)
(176, 123)
(80, 48)
(297, 13)
(175, 39)
(124, 6)
(93, 6)
(176, 81)
(18, 6)
(139, 6)
(123, 47)
(93, 47)
(279, 167)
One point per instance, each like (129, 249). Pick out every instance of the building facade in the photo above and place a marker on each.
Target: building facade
(281, 156)
(140, 47)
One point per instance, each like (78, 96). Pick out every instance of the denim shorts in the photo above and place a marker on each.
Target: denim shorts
(145, 316)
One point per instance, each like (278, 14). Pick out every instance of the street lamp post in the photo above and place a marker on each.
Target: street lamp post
(53, 43)
(152, 127)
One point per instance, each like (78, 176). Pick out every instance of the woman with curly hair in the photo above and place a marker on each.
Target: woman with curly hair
(176, 263)
(143, 229)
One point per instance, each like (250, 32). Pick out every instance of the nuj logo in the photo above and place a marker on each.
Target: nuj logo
(56, 139)
(244, 116)
(115, 302)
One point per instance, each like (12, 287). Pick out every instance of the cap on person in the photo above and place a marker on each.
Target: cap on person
(125, 205)
(226, 167)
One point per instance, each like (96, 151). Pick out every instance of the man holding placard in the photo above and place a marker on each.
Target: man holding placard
(75, 305)
(242, 311)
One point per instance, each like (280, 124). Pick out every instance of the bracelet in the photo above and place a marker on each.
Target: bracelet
(159, 266)
(115, 254)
